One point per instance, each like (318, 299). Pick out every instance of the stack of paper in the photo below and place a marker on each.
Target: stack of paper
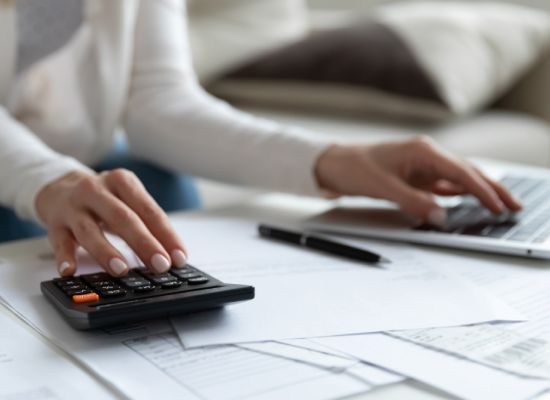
(294, 340)
(506, 361)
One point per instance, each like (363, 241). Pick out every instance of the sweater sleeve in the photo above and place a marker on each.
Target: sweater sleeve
(26, 166)
(171, 121)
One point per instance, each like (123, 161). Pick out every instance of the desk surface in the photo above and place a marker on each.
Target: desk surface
(270, 208)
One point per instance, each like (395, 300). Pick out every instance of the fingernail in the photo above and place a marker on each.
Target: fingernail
(63, 267)
(160, 263)
(437, 217)
(179, 258)
(117, 266)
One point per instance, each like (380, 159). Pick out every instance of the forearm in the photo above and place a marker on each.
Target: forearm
(207, 138)
(171, 121)
(26, 166)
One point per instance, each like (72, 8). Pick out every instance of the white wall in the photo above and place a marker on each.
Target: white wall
(358, 4)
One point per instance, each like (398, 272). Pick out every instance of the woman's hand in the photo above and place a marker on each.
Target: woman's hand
(78, 207)
(408, 173)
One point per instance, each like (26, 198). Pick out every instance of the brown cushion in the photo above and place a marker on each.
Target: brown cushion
(368, 55)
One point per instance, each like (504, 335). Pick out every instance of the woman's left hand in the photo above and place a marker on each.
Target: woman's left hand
(408, 173)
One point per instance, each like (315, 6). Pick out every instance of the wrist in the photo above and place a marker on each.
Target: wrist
(47, 195)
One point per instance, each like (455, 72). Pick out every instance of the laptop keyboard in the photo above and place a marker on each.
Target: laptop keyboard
(531, 225)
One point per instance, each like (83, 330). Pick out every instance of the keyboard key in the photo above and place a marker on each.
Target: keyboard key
(189, 275)
(85, 298)
(68, 281)
(67, 288)
(476, 230)
(109, 287)
(171, 284)
(499, 230)
(163, 278)
(103, 283)
(100, 276)
(132, 284)
(75, 292)
(144, 289)
(182, 271)
(112, 292)
(198, 281)
(520, 236)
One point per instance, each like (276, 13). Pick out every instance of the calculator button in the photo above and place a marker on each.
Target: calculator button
(162, 278)
(107, 288)
(197, 281)
(181, 271)
(171, 284)
(72, 293)
(68, 281)
(189, 275)
(85, 298)
(112, 292)
(102, 283)
(100, 276)
(134, 281)
(144, 289)
(67, 288)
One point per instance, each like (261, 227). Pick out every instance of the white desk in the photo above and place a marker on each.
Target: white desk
(269, 208)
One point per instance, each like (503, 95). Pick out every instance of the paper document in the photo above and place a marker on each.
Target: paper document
(522, 348)
(496, 346)
(521, 283)
(519, 348)
(301, 293)
(229, 372)
(456, 376)
(145, 361)
(337, 362)
(31, 370)
(369, 373)
(307, 356)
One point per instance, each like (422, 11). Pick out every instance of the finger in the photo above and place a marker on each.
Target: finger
(132, 192)
(472, 182)
(64, 247)
(88, 234)
(505, 195)
(446, 188)
(414, 202)
(124, 222)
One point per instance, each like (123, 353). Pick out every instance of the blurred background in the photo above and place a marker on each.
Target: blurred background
(365, 4)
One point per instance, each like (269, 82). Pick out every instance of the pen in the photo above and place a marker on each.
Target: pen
(320, 244)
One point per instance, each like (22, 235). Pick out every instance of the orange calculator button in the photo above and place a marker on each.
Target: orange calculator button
(85, 298)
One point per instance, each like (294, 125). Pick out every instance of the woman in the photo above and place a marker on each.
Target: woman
(129, 64)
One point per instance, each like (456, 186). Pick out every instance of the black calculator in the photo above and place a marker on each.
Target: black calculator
(100, 300)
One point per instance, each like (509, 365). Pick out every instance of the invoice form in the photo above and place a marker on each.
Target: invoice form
(522, 348)
(498, 360)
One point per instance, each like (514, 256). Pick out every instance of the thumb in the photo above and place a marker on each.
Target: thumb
(416, 203)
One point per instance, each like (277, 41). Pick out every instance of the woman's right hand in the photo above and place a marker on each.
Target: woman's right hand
(79, 206)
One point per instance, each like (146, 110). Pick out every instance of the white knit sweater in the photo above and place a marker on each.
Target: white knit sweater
(129, 64)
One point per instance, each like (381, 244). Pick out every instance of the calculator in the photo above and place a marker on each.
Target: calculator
(100, 300)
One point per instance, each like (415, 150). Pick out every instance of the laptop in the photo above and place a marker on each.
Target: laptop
(469, 225)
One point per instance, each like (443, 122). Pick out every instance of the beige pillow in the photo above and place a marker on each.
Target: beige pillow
(429, 60)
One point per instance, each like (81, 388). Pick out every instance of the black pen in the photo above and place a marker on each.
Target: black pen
(320, 244)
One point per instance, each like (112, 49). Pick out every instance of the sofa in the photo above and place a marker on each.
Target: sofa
(516, 128)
